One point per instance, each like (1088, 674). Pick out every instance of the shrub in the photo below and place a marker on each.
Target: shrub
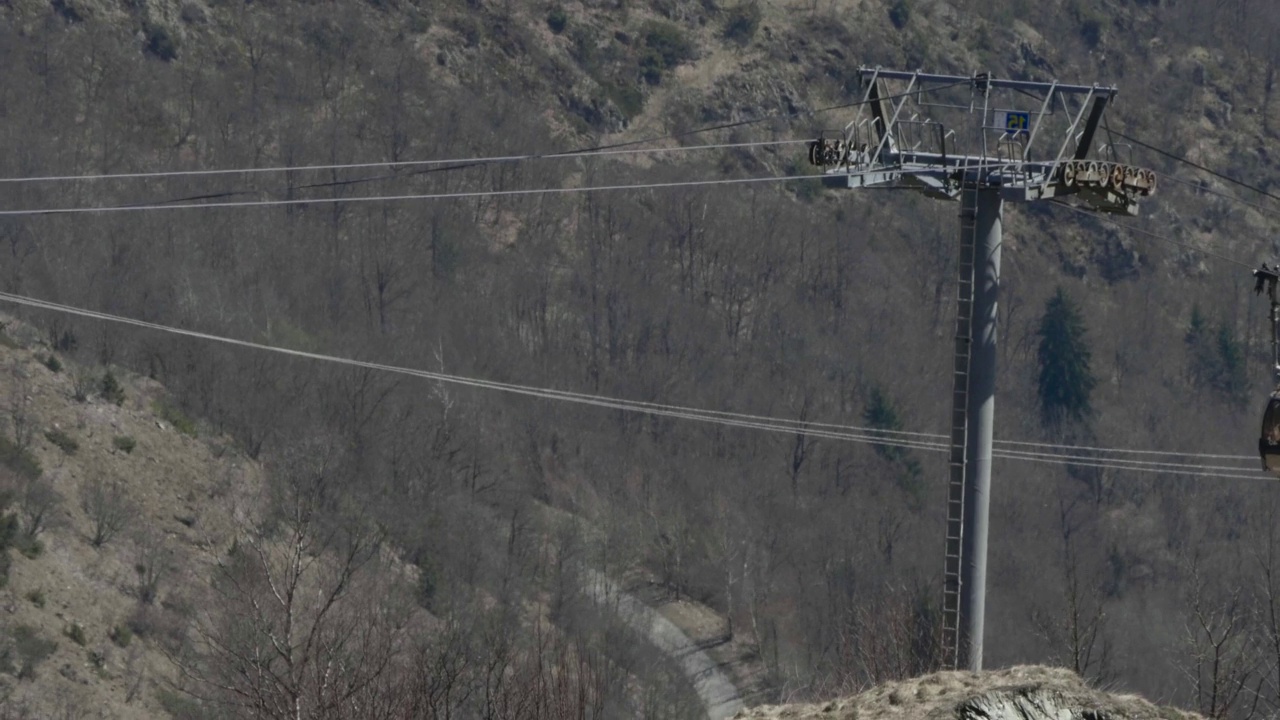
(652, 67)
(177, 704)
(125, 443)
(557, 19)
(900, 14)
(742, 21)
(19, 460)
(76, 634)
(65, 442)
(65, 341)
(111, 389)
(121, 635)
(36, 597)
(470, 30)
(53, 363)
(8, 535)
(29, 546)
(1092, 29)
(30, 648)
(627, 98)
(161, 43)
(669, 41)
(81, 386)
(665, 46)
(193, 14)
(175, 417)
(418, 23)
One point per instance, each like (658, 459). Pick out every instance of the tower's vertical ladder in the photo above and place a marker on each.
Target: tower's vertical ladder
(959, 429)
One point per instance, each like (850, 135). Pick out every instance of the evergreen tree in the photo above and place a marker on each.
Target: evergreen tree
(1231, 380)
(1066, 380)
(1201, 353)
(1215, 359)
(882, 415)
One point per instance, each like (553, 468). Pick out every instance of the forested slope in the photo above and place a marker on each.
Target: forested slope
(785, 300)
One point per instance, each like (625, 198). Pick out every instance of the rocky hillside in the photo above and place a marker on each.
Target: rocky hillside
(115, 503)
(1017, 693)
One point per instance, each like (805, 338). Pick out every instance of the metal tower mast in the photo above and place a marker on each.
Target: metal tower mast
(886, 149)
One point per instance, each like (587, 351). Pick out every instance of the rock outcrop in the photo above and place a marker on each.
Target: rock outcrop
(1018, 693)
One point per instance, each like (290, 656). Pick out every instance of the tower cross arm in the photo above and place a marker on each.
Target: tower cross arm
(983, 79)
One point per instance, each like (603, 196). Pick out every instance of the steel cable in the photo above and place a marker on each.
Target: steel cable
(694, 414)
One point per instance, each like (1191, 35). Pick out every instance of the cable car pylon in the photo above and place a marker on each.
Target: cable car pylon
(899, 145)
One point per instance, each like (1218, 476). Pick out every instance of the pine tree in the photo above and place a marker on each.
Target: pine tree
(882, 415)
(1231, 380)
(1066, 380)
(1201, 353)
(1215, 360)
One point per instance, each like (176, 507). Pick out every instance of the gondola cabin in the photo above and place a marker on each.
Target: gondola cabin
(1269, 443)
(1265, 280)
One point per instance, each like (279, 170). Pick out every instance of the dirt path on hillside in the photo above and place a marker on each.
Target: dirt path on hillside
(717, 692)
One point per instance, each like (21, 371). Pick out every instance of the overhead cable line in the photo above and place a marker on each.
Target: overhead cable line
(1150, 234)
(580, 152)
(597, 149)
(1196, 165)
(1189, 470)
(614, 403)
(460, 163)
(1224, 195)
(1119, 462)
(394, 164)
(393, 198)
(544, 393)
(1086, 448)
(178, 205)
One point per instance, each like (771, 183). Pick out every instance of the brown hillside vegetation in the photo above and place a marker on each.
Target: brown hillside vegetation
(149, 569)
(1017, 693)
(113, 508)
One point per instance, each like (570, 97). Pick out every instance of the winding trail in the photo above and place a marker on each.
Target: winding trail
(717, 692)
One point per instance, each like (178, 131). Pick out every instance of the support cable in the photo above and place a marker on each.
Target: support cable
(1167, 453)
(393, 165)
(1196, 165)
(447, 165)
(678, 412)
(1148, 233)
(1197, 187)
(1189, 470)
(393, 198)
(181, 204)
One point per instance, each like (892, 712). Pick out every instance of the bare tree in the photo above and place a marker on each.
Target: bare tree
(153, 560)
(304, 621)
(108, 507)
(37, 501)
(20, 417)
(1076, 629)
(1266, 556)
(1223, 651)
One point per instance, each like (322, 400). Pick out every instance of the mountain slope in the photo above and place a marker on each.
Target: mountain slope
(792, 302)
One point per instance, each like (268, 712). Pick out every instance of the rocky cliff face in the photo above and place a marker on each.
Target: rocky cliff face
(1018, 693)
